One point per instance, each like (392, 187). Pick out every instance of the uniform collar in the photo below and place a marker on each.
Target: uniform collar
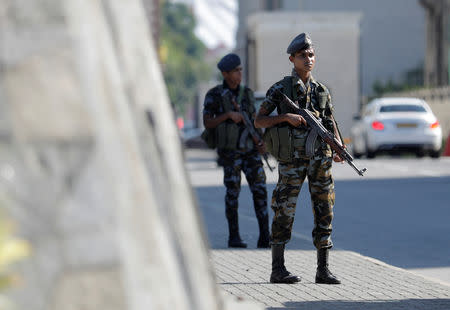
(226, 86)
(298, 81)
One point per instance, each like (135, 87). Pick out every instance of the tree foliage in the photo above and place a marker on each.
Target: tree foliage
(410, 80)
(182, 54)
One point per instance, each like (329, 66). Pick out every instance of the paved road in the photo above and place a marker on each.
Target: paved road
(399, 213)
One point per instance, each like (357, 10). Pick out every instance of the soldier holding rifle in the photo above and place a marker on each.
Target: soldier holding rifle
(286, 138)
(228, 116)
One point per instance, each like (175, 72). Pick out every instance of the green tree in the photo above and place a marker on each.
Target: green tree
(182, 55)
(410, 80)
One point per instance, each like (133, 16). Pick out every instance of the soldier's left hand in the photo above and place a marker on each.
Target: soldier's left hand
(338, 158)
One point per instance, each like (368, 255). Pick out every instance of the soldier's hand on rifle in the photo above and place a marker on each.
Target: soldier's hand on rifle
(261, 147)
(338, 158)
(295, 119)
(236, 116)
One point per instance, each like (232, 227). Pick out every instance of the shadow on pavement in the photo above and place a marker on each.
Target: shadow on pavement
(435, 304)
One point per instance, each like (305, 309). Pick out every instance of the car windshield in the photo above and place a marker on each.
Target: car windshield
(402, 108)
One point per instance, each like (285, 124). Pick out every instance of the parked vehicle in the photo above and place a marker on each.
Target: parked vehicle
(396, 124)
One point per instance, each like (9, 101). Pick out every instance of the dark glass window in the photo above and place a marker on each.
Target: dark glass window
(402, 108)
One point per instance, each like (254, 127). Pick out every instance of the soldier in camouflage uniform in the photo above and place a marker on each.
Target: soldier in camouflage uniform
(286, 138)
(222, 111)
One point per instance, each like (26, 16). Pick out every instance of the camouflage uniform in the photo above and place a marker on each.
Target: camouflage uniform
(292, 174)
(249, 162)
(244, 157)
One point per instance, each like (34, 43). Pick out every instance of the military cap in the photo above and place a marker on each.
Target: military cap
(229, 62)
(300, 42)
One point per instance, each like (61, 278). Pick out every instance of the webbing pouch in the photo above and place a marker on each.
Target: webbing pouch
(322, 98)
(209, 136)
(278, 142)
(269, 140)
(227, 135)
(285, 150)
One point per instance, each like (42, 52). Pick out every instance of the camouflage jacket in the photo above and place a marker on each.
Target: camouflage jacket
(214, 106)
(308, 96)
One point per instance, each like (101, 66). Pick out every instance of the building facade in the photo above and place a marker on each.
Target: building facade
(392, 36)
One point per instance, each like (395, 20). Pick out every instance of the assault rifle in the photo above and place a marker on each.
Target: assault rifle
(317, 129)
(256, 137)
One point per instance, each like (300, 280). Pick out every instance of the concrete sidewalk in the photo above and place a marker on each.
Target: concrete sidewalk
(366, 283)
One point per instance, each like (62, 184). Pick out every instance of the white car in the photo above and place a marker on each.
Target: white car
(396, 124)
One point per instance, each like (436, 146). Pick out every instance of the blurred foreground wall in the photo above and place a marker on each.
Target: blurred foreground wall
(90, 163)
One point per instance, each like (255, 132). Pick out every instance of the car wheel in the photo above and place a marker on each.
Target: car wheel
(356, 154)
(435, 154)
(369, 153)
(420, 153)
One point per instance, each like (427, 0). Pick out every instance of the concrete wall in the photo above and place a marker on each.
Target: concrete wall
(437, 38)
(336, 40)
(91, 168)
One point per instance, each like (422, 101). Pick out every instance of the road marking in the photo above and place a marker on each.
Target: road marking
(439, 274)
(417, 171)
(430, 173)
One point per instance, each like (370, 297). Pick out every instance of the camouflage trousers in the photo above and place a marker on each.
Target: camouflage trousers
(284, 199)
(250, 163)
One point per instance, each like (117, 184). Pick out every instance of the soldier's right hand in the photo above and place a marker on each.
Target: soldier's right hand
(295, 119)
(236, 117)
(261, 147)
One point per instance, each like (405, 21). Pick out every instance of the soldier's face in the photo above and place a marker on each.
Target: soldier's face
(304, 60)
(233, 77)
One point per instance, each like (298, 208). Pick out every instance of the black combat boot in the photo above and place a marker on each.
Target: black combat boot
(264, 235)
(279, 272)
(324, 275)
(234, 240)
